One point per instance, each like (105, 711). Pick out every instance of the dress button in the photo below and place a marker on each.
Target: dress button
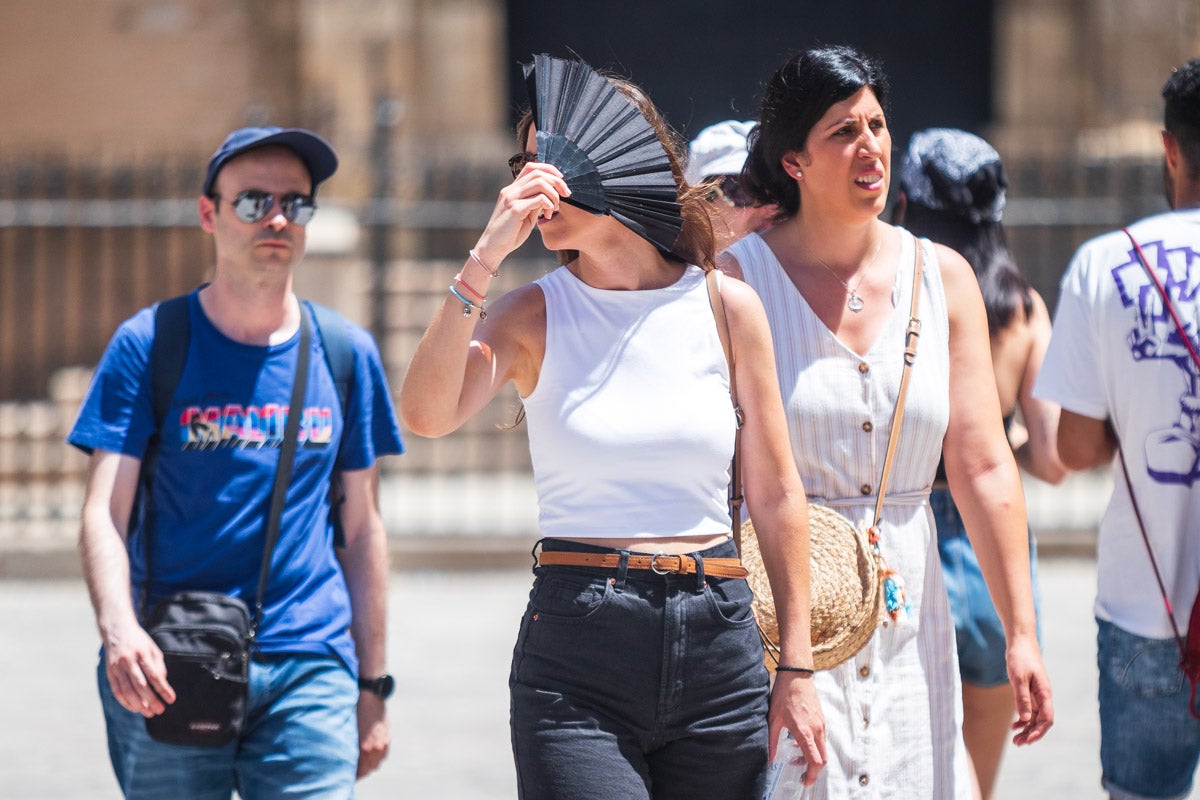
(863, 367)
(868, 426)
(864, 671)
(865, 488)
(863, 780)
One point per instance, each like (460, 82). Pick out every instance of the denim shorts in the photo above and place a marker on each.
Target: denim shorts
(300, 741)
(629, 684)
(977, 627)
(1149, 742)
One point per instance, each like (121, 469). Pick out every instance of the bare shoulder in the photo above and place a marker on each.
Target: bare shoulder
(515, 332)
(727, 262)
(747, 319)
(522, 299)
(957, 274)
(517, 311)
(740, 298)
(959, 282)
(1024, 330)
(1040, 316)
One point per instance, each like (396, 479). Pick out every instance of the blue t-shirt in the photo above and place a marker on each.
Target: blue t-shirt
(212, 485)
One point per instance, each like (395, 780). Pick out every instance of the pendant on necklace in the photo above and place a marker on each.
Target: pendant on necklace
(855, 303)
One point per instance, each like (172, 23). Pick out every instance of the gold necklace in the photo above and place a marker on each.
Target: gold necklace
(853, 302)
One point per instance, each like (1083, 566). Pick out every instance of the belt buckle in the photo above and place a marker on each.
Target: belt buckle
(654, 564)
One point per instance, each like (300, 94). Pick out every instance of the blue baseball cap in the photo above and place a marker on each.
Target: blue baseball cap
(314, 151)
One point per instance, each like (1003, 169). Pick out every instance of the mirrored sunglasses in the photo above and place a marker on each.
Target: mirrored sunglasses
(253, 205)
(518, 162)
(730, 192)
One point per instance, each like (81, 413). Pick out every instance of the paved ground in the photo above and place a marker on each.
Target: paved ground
(451, 636)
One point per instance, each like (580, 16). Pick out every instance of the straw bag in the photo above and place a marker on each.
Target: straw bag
(846, 588)
(850, 585)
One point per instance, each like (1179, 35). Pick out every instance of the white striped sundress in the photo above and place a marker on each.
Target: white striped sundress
(894, 712)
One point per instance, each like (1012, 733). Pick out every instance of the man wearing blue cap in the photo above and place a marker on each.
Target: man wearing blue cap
(181, 497)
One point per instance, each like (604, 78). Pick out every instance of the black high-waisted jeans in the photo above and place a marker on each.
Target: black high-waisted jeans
(629, 684)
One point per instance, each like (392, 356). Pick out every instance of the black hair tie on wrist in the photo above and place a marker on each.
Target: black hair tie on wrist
(801, 670)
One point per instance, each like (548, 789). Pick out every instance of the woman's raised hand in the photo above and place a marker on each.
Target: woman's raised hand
(533, 194)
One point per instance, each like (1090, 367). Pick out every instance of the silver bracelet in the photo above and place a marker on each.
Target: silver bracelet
(495, 273)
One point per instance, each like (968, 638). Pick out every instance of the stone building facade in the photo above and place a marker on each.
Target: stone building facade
(123, 78)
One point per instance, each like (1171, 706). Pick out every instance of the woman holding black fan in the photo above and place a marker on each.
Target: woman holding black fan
(638, 670)
(838, 285)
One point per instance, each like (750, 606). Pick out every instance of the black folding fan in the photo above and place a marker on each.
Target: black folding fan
(609, 155)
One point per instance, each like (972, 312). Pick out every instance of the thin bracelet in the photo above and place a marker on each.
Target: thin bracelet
(495, 273)
(467, 304)
(458, 279)
(801, 670)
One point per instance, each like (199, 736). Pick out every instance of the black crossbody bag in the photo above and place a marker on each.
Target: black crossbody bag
(206, 637)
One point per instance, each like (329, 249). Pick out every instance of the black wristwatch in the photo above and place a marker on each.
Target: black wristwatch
(383, 686)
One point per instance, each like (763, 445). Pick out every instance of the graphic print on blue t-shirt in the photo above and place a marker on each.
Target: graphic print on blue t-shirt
(1172, 453)
(251, 426)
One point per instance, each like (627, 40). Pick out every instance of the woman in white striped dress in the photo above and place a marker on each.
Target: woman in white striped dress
(837, 283)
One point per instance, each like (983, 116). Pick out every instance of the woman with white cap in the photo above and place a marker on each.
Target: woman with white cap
(715, 158)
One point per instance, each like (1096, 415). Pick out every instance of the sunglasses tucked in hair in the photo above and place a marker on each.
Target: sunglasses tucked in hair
(253, 205)
(730, 192)
(518, 162)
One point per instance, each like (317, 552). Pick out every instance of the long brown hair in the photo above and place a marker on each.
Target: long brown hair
(696, 243)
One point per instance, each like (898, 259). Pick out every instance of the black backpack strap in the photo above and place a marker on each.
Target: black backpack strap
(168, 356)
(339, 353)
(339, 357)
(168, 353)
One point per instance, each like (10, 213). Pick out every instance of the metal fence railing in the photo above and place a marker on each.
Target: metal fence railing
(82, 249)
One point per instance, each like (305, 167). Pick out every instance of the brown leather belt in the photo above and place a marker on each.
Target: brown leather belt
(657, 563)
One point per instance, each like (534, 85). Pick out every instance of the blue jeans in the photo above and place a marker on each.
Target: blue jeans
(977, 628)
(628, 684)
(300, 741)
(1149, 742)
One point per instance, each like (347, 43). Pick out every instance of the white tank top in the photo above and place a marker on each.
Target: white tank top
(630, 425)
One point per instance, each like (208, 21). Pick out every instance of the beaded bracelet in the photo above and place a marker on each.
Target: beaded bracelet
(467, 304)
(801, 670)
(495, 273)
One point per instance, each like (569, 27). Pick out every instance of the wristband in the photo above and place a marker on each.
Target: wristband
(467, 304)
(801, 670)
(471, 289)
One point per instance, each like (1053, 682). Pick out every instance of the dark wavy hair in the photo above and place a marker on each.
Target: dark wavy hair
(696, 243)
(985, 247)
(1181, 112)
(794, 100)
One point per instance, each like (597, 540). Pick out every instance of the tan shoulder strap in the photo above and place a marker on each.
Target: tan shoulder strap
(911, 335)
(713, 279)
